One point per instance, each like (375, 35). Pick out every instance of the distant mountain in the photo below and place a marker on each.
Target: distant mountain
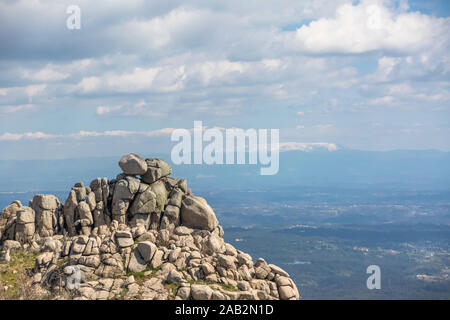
(406, 169)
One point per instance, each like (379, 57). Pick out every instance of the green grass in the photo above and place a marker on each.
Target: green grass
(140, 277)
(173, 287)
(227, 287)
(122, 295)
(12, 273)
(62, 262)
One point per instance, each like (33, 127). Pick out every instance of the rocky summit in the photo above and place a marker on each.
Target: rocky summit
(142, 235)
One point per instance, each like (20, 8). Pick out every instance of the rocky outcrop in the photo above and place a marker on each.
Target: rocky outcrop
(135, 238)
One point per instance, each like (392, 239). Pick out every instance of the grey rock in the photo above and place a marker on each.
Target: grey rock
(123, 234)
(124, 239)
(46, 201)
(159, 189)
(174, 276)
(196, 213)
(45, 207)
(217, 295)
(184, 293)
(11, 245)
(171, 182)
(133, 164)
(89, 261)
(80, 192)
(227, 262)
(260, 262)
(201, 292)
(261, 273)
(172, 213)
(157, 259)
(183, 231)
(7, 220)
(137, 262)
(277, 270)
(51, 245)
(175, 198)
(173, 255)
(91, 201)
(243, 286)
(282, 281)
(213, 244)
(244, 258)
(286, 292)
(156, 169)
(85, 219)
(121, 191)
(144, 203)
(133, 184)
(25, 232)
(147, 250)
(124, 191)
(69, 211)
(182, 184)
(84, 214)
(230, 250)
(25, 215)
(207, 268)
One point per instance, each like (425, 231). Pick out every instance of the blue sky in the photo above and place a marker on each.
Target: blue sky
(369, 75)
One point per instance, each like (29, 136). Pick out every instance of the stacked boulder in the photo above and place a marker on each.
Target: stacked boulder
(25, 225)
(47, 210)
(8, 219)
(144, 223)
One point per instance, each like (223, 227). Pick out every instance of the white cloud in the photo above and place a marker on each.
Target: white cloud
(34, 90)
(221, 62)
(212, 70)
(46, 74)
(140, 108)
(272, 63)
(443, 95)
(400, 89)
(102, 110)
(108, 133)
(175, 77)
(162, 31)
(307, 146)
(15, 94)
(161, 132)
(369, 26)
(89, 84)
(85, 134)
(386, 100)
(26, 135)
(17, 108)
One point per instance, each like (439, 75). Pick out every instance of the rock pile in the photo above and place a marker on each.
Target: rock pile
(139, 236)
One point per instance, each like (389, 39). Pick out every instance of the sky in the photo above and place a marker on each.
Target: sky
(366, 75)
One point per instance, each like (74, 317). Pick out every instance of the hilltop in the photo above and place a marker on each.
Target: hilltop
(142, 235)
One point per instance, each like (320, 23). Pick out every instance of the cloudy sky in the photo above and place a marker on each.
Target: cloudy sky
(369, 75)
